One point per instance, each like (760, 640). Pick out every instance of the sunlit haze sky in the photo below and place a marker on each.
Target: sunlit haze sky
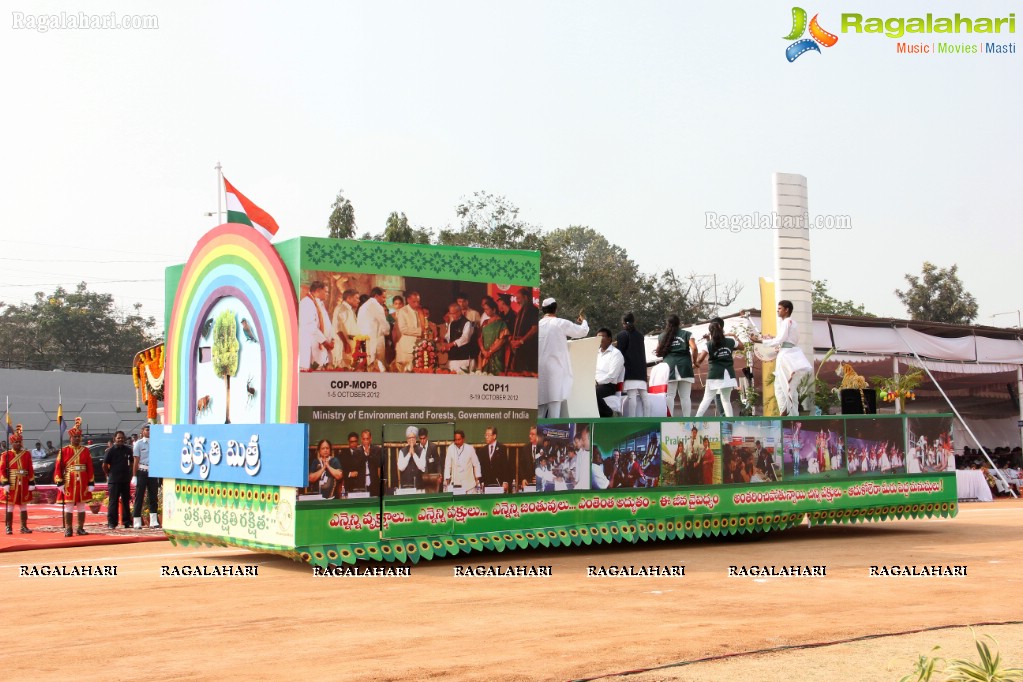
(634, 118)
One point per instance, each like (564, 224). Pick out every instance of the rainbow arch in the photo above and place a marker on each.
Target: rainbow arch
(234, 260)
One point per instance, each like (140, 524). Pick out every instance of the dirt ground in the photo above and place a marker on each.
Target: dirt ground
(286, 623)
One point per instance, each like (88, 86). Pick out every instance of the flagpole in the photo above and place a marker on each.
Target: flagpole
(220, 187)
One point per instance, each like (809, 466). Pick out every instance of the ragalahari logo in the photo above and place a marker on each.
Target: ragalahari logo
(817, 35)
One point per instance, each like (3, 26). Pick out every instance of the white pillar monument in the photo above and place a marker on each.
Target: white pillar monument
(792, 254)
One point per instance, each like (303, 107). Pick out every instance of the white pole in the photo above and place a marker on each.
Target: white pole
(1019, 392)
(947, 400)
(220, 190)
(895, 374)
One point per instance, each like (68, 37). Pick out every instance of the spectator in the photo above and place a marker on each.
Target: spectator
(38, 452)
(117, 465)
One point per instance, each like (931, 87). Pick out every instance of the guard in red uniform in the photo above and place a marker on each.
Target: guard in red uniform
(17, 478)
(74, 470)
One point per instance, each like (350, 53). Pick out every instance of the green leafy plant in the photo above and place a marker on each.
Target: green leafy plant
(988, 669)
(815, 389)
(926, 666)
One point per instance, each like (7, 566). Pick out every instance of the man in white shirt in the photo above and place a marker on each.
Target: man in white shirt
(373, 323)
(145, 485)
(38, 452)
(461, 466)
(314, 330)
(544, 476)
(554, 383)
(610, 371)
(346, 326)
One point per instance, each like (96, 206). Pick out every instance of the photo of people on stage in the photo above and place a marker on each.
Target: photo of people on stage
(814, 447)
(470, 458)
(930, 445)
(690, 453)
(875, 447)
(751, 452)
(563, 457)
(626, 455)
(358, 322)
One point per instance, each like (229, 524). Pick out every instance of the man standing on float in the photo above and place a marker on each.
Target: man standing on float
(791, 366)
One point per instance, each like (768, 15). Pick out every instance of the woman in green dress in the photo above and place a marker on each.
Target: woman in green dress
(720, 370)
(677, 347)
(493, 337)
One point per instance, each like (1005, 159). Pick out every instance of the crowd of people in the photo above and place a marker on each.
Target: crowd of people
(125, 464)
(1006, 477)
(365, 332)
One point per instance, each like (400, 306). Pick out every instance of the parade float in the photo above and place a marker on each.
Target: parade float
(238, 449)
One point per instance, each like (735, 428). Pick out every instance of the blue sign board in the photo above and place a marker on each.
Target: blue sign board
(260, 454)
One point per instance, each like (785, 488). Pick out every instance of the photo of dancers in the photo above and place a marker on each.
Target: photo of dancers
(751, 451)
(690, 453)
(626, 455)
(814, 447)
(930, 445)
(875, 447)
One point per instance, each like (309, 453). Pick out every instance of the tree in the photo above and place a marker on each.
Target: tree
(938, 296)
(399, 231)
(693, 298)
(584, 271)
(491, 221)
(76, 330)
(825, 303)
(225, 354)
(341, 223)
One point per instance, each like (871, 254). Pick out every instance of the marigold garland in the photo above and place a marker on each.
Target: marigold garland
(147, 375)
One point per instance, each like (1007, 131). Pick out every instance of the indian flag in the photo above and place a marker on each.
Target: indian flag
(241, 210)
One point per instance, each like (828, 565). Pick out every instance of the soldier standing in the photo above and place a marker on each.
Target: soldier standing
(74, 469)
(17, 477)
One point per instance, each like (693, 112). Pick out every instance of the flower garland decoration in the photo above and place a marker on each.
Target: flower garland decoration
(147, 375)
(424, 357)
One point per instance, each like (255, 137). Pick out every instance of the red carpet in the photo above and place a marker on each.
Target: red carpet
(45, 523)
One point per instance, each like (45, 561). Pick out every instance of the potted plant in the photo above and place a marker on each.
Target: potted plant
(901, 387)
(814, 391)
(99, 498)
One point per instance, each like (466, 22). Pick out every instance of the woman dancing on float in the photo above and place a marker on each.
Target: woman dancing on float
(720, 371)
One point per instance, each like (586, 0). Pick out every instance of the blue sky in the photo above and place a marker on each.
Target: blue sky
(635, 119)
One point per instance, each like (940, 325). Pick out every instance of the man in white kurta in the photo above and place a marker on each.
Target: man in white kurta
(410, 323)
(791, 366)
(461, 466)
(373, 324)
(346, 326)
(555, 380)
(314, 332)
